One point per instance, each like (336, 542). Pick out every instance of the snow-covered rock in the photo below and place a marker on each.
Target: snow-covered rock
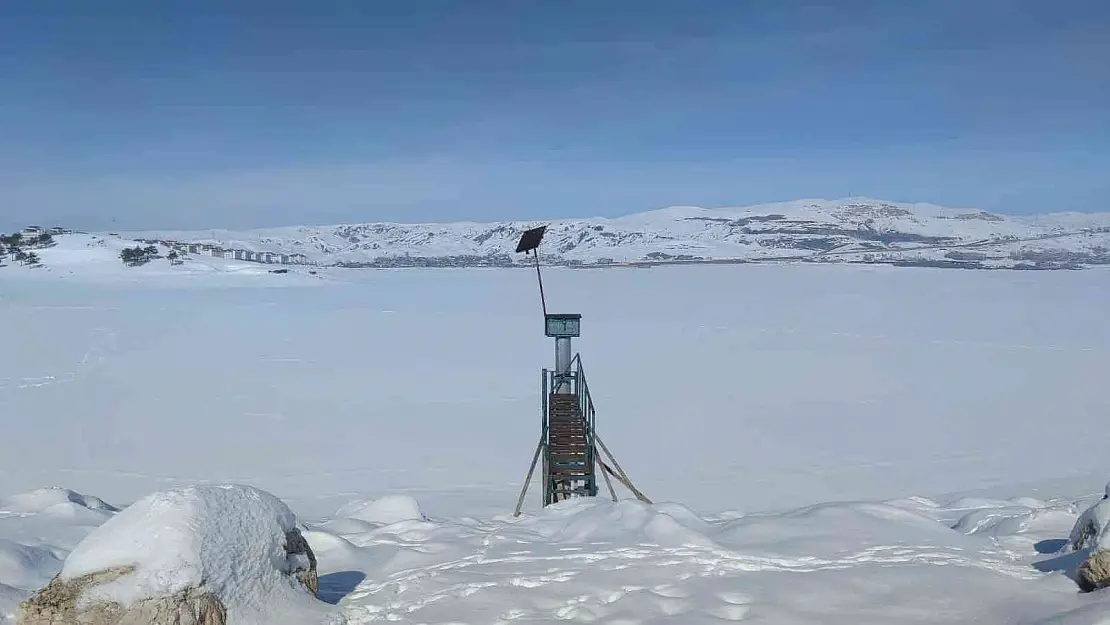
(1090, 528)
(1089, 534)
(208, 555)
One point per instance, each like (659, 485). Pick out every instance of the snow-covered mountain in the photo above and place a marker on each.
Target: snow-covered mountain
(847, 230)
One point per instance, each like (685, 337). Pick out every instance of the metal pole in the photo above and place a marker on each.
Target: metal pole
(539, 278)
(562, 365)
(604, 474)
(546, 448)
(523, 491)
(626, 480)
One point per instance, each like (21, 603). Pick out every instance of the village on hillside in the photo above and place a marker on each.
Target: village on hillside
(215, 251)
(182, 248)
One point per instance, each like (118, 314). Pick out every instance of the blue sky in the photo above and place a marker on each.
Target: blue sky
(200, 114)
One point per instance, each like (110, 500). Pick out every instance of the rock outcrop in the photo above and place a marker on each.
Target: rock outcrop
(60, 603)
(299, 552)
(1094, 574)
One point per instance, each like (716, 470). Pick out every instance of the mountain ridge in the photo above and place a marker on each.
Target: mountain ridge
(864, 230)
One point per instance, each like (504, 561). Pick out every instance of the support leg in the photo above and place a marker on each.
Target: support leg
(605, 474)
(626, 480)
(608, 470)
(523, 491)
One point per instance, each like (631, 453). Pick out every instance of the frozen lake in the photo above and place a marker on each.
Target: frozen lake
(721, 387)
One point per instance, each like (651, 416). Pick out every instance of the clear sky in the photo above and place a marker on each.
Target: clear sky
(205, 113)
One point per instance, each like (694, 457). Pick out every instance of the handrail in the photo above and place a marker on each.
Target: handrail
(575, 376)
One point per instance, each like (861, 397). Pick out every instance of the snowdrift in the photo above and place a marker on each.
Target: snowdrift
(912, 560)
(591, 560)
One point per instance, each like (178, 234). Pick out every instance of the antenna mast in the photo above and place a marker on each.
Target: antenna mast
(568, 443)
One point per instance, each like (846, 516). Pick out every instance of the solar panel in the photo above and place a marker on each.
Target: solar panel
(530, 240)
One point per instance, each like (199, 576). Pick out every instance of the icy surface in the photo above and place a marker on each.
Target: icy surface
(827, 443)
(767, 387)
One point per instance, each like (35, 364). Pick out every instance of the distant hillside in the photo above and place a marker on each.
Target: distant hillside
(856, 230)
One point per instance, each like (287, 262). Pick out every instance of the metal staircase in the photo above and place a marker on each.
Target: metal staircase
(569, 443)
(569, 451)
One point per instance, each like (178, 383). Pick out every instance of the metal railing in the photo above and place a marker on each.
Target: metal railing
(585, 401)
(575, 379)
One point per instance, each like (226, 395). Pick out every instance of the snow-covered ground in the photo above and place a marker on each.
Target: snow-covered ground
(95, 258)
(828, 444)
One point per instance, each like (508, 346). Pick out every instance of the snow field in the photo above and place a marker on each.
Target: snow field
(830, 444)
(596, 561)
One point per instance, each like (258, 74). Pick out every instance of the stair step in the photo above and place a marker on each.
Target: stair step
(568, 446)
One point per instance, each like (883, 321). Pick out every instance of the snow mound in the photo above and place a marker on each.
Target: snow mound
(227, 539)
(384, 511)
(832, 530)
(22, 566)
(591, 520)
(52, 499)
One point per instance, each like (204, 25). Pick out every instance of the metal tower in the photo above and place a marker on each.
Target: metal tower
(569, 443)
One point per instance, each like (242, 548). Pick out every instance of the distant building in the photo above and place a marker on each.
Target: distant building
(33, 231)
